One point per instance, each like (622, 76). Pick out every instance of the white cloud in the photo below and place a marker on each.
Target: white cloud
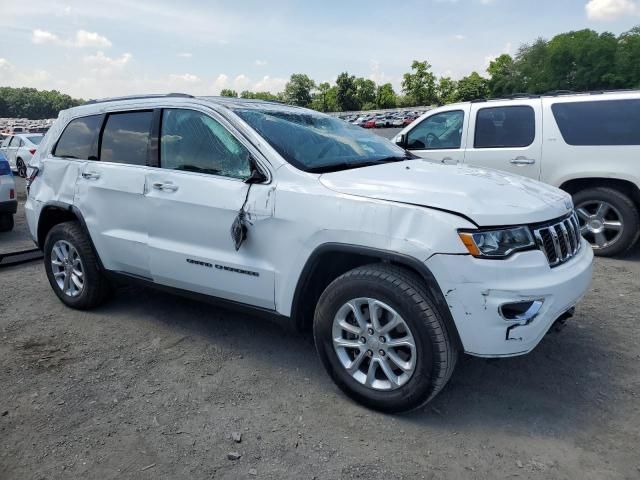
(186, 77)
(42, 36)
(603, 10)
(268, 84)
(261, 63)
(82, 39)
(241, 82)
(185, 55)
(221, 81)
(102, 64)
(459, 36)
(90, 39)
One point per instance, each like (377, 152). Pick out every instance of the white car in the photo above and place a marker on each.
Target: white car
(586, 144)
(8, 201)
(397, 264)
(19, 149)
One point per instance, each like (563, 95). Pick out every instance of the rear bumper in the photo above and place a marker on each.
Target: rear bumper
(476, 289)
(10, 206)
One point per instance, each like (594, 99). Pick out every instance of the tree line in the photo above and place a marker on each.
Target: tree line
(34, 104)
(578, 61)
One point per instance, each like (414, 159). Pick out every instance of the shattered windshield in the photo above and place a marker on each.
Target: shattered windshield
(318, 143)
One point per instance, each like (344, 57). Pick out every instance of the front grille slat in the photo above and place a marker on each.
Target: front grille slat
(559, 240)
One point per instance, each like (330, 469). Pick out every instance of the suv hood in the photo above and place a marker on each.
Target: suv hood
(488, 197)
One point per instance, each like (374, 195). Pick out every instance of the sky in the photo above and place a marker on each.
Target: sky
(92, 49)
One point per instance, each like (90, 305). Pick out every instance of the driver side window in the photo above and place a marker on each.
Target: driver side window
(439, 131)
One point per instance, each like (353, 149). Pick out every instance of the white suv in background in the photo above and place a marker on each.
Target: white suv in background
(397, 264)
(586, 144)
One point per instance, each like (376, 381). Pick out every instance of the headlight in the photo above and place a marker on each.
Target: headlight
(497, 243)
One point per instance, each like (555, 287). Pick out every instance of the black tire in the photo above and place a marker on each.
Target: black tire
(406, 293)
(96, 287)
(6, 222)
(628, 211)
(21, 168)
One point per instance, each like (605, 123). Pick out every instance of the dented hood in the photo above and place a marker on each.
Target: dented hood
(488, 197)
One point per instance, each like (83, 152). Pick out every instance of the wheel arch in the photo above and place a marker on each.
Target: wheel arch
(328, 261)
(626, 187)
(54, 213)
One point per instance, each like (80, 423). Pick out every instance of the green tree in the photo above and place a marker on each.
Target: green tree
(365, 90)
(504, 78)
(446, 90)
(347, 93)
(259, 95)
(473, 87)
(627, 61)
(421, 84)
(531, 64)
(320, 98)
(385, 96)
(298, 90)
(227, 92)
(34, 104)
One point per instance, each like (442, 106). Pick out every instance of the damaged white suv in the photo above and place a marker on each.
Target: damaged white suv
(397, 264)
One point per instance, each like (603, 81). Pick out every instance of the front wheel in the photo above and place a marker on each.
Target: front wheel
(608, 220)
(6, 222)
(382, 339)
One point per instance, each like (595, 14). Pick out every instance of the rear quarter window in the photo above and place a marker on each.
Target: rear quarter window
(78, 138)
(505, 127)
(605, 122)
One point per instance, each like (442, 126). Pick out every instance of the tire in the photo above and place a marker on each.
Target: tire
(6, 222)
(95, 286)
(21, 168)
(435, 349)
(620, 209)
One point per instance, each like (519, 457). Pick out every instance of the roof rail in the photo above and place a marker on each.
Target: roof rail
(138, 97)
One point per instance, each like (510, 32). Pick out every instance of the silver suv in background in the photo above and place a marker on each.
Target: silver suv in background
(586, 144)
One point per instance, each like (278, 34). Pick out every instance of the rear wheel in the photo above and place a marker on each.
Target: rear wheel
(608, 220)
(6, 222)
(72, 267)
(382, 339)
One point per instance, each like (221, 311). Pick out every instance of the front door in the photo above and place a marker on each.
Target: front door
(194, 198)
(506, 137)
(439, 137)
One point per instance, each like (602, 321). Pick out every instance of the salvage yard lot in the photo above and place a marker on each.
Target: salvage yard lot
(155, 386)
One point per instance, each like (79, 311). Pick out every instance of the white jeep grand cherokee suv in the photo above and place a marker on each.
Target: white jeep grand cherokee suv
(396, 263)
(587, 144)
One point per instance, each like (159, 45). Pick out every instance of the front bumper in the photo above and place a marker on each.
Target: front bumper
(475, 289)
(10, 206)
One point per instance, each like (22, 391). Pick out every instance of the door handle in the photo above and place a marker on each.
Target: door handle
(91, 175)
(522, 161)
(165, 186)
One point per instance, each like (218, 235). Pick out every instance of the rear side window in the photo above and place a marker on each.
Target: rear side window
(14, 141)
(125, 138)
(78, 138)
(35, 139)
(608, 122)
(505, 127)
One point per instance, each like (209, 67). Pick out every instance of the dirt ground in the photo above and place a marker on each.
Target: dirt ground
(156, 386)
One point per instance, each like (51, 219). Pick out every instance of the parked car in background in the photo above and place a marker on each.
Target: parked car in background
(408, 120)
(586, 144)
(396, 264)
(19, 149)
(371, 123)
(8, 200)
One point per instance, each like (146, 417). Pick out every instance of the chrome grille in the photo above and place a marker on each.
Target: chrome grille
(559, 240)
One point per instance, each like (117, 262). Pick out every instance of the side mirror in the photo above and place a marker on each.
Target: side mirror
(401, 140)
(256, 175)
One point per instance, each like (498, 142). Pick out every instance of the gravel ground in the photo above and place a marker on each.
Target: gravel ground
(156, 386)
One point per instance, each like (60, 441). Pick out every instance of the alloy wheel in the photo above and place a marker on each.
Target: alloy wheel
(374, 344)
(67, 268)
(600, 223)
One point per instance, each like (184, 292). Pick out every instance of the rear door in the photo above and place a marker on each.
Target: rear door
(440, 137)
(110, 191)
(506, 136)
(194, 197)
